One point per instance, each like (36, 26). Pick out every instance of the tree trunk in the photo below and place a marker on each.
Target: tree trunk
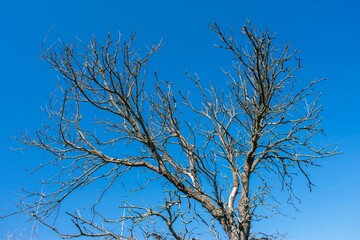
(244, 206)
(240, 231)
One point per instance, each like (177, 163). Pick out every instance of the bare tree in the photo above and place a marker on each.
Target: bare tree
(217, 160)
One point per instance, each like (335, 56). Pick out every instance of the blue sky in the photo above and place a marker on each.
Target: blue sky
(326, 32)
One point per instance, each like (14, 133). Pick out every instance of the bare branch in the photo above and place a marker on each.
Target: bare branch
(215, 159)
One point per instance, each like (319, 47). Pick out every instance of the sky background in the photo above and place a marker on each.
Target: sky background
(326, 32)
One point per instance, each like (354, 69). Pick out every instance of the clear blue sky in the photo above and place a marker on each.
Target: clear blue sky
(327, 32)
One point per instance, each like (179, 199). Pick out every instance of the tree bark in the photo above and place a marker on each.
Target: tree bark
(244, 205)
